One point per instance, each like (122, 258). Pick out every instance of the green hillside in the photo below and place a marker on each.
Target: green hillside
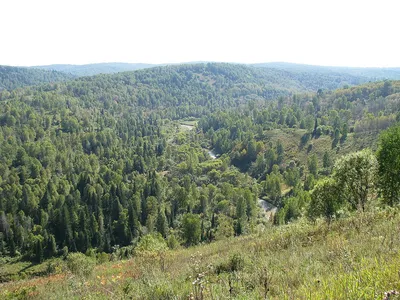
(353, 258)
(15, 77)
(318, 76)
(151, 163)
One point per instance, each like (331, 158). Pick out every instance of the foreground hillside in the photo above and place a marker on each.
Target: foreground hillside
(353, 258)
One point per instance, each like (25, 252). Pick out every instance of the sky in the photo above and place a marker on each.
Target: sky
(318, 32)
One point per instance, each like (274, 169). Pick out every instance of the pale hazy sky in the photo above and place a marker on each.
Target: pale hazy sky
(322, 32)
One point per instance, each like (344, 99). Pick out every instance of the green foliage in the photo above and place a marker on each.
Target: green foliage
(225, 227)
(348, 258)
(272, 187)
(15, 77)
(388, 156)
(325, 199)
(326, 161)
(235, 263)
(102, 258)
(313, 165)
(172, 242)
(293, 207)
(151, 244)
(80, 265)
(102, 164)
(356, 174)
(191, 229)
(98, 162)
(309, 182)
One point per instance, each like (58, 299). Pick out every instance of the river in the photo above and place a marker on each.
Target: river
(212, 154)
(269, 209)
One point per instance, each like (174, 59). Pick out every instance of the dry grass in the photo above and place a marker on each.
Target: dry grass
(353, 258)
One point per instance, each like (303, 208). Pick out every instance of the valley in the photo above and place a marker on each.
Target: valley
(201, 181)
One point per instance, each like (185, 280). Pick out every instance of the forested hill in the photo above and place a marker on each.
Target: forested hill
(99, 162)
(186, 90)
(193, 89)
(94, 163)
(370, 73)
(320, 76)
(94, 69)
(281, 74)
(14, 77)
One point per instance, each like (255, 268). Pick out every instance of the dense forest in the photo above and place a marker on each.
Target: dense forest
(94, 163)
(316, 74)
(15, 77)
(290, 144)
(100, 162)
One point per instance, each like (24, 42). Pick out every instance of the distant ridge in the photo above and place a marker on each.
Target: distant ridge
(15, 77)
(98, 68)
(115, 67)
(373, 73)
(282, 77)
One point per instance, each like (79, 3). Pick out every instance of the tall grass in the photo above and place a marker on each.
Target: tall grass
(352, 258)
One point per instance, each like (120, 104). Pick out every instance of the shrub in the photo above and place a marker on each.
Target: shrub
(234, 264)
(102, 258)
(80, 264)
(151, 243)
(172, 242)
(54, 267)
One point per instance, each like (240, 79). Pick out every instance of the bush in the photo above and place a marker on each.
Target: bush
(102, 258)
(54, 267)
(234, 264)
(172, 242)
(80, 265)
(151, 244)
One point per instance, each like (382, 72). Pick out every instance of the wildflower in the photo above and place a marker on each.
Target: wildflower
(387, 295)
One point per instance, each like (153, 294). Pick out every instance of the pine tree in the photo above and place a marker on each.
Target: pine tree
(161, 224)
(39, 251)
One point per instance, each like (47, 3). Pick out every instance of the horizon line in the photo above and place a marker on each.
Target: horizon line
(199, 62)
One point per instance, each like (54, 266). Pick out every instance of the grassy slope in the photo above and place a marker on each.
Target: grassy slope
(353, 258)
(290, 139)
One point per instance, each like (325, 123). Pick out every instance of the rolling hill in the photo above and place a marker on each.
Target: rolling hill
(370, 73)
(14, 77)
(119, 165)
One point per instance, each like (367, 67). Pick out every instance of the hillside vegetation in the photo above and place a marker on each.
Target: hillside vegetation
(119, 165)
(319, 76)
(353, 258)
(15, 77)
